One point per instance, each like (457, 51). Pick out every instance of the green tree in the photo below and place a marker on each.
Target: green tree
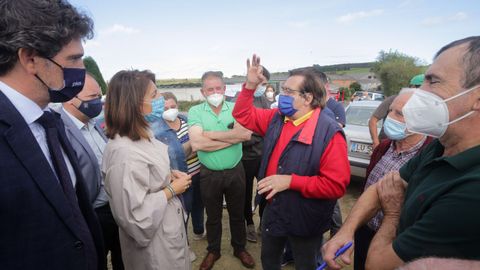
(395, 69)
(355, 86)
(93, 69)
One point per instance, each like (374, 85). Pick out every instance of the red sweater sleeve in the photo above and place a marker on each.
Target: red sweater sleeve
(252, 118)
(334, 174)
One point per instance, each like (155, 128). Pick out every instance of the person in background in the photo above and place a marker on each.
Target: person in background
(88, 142)
(172, 130)
(217, 140)
(391, 154)
(251, 158)
(270, 93)
(304, 165)
(142, 190)
(382, 111)
(417, 81)
(48, 221)
(427, 205)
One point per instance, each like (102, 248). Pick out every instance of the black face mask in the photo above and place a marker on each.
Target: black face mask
(73, 82)
(91, 108)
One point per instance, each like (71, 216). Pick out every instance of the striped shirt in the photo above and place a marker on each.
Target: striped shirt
(193, 164)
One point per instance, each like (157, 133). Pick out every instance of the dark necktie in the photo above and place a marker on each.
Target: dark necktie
(55, 141)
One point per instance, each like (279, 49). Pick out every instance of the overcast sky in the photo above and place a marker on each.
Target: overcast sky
(182, 39)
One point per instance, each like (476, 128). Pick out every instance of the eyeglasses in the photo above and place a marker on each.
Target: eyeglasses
(289, 91)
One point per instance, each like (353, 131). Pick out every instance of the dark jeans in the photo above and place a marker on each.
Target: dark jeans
(363, 237)
(110, 236)
(251, 168)
(304, 249)
(194, 204)
(336, 219)
(214, 185)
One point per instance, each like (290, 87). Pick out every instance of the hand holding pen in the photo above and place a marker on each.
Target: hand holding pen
(339, 252)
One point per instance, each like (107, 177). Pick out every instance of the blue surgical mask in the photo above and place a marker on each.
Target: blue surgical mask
(285, 105)
(91, 108)
(260, 91)
(73, 82)
(158, 106)
(395, 130)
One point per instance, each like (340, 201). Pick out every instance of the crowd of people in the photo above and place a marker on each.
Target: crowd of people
(73, 192)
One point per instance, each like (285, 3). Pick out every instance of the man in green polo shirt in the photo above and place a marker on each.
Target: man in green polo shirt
(217, 139)
(430, 207)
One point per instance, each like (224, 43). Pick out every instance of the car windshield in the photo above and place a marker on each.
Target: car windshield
(359, 115)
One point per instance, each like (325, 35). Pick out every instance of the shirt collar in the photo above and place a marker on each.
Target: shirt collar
(300, 120)
(414, 149)
(79, 124)
(29, 110)
(466, 159)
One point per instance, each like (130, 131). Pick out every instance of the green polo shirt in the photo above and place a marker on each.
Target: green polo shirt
(440, 216)
(203, 116)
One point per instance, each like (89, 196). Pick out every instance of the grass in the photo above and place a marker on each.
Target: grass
(184, 106)
(192, 82)
(353, 71)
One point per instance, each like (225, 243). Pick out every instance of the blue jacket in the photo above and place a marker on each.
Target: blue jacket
(168, 136)
(289, 213)
(38, 230)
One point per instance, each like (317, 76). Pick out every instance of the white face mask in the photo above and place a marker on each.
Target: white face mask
(170, 114)
(260, 90)
(426, 113)
(215, 99)
(269, 95)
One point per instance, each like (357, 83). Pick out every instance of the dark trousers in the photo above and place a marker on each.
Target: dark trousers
(110, 236)
(251, 168)
(363, 237)
(214, 185)
(304, 249)
(336, 219)
(194, 205)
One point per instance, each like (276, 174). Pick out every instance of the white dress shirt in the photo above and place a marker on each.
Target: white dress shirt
(30, 111)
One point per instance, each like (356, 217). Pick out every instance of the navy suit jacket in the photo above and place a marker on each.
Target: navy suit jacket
(37, 228)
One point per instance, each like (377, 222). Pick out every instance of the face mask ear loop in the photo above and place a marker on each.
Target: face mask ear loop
(462, 93)
(458, 119)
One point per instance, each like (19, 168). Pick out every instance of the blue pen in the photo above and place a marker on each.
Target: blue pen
(338, 253)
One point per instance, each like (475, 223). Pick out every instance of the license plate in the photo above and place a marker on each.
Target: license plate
(361, 148)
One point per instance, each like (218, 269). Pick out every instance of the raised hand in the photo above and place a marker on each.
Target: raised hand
(254, 73)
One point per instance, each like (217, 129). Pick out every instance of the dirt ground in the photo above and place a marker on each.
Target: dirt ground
(228, 261)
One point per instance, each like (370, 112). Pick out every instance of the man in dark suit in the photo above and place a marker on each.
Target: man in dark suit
(88, 142)
(47, 221)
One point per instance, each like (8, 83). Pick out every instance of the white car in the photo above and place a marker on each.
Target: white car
(358, 136)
